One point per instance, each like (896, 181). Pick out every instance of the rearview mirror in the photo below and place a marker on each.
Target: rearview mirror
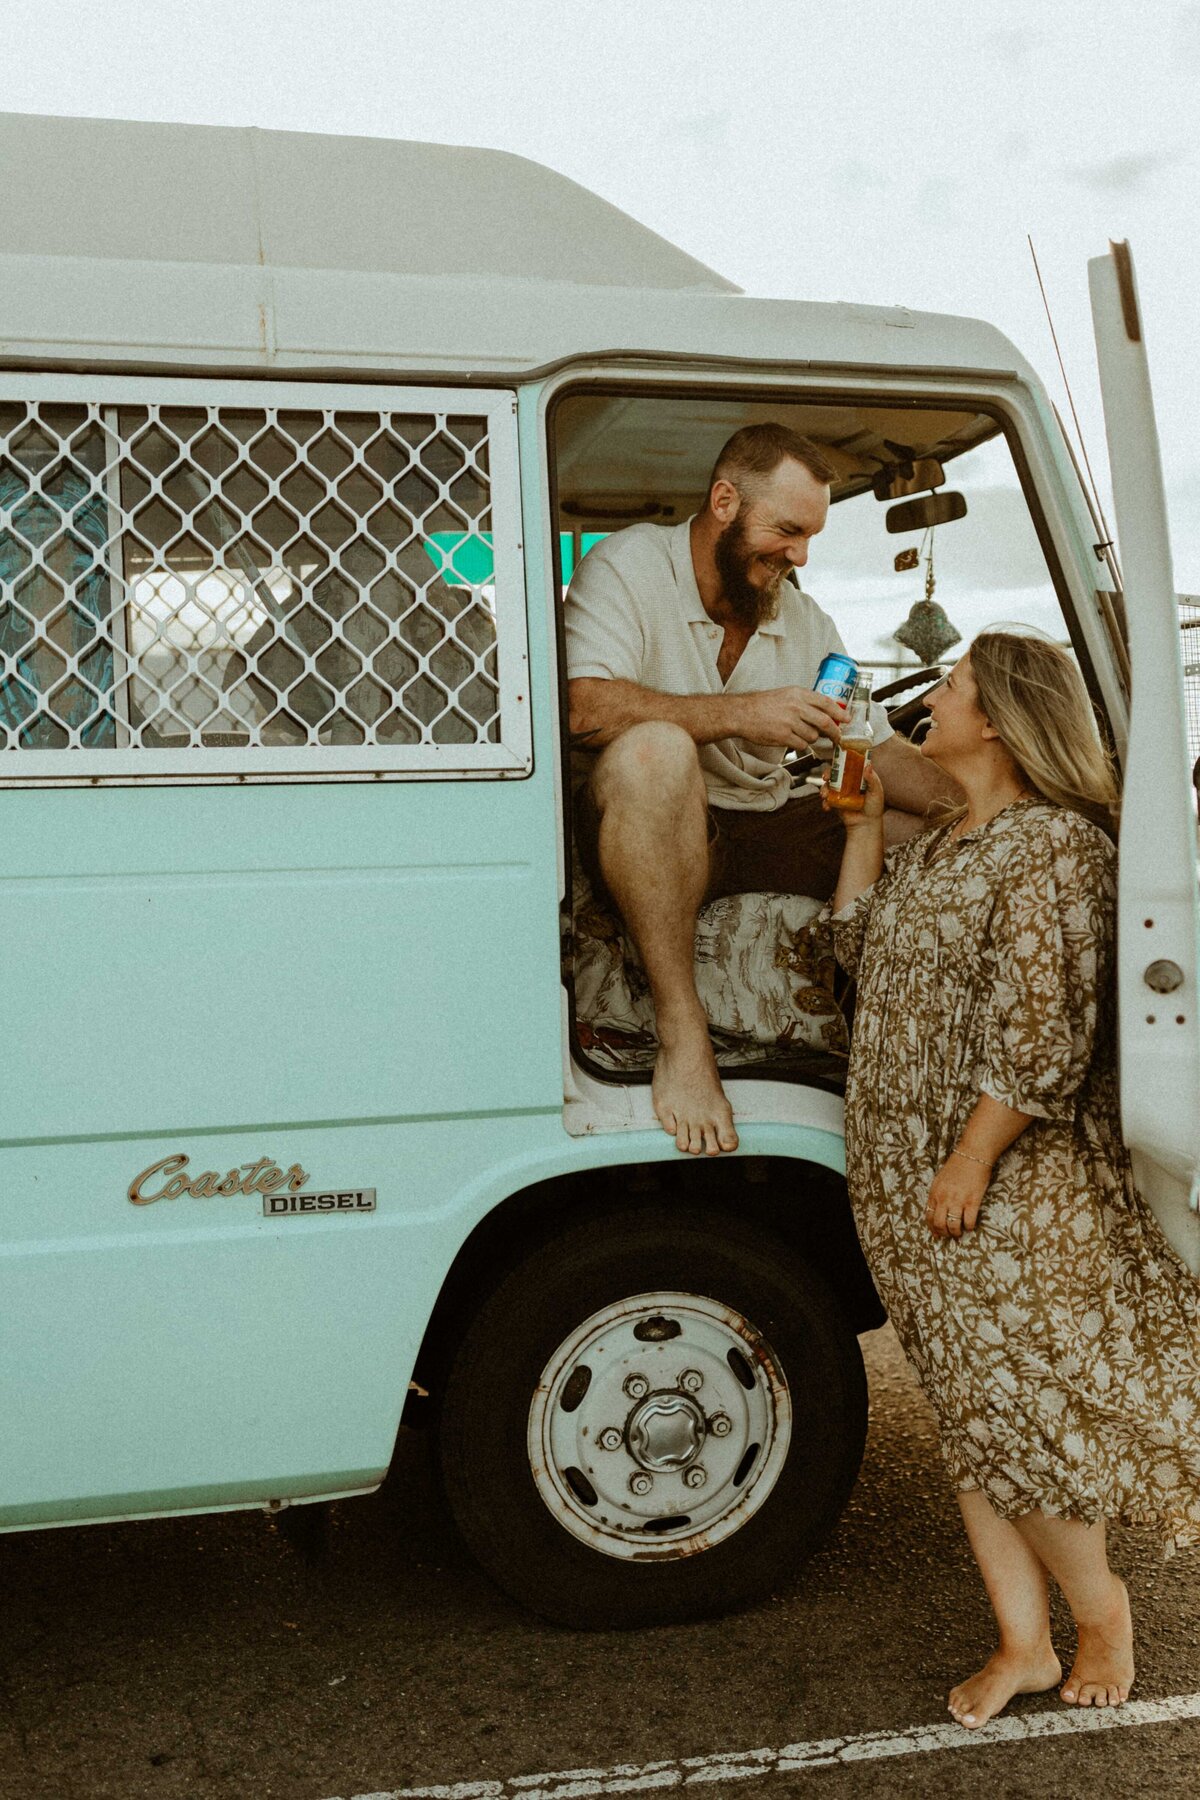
(913, 477)
(930, 509)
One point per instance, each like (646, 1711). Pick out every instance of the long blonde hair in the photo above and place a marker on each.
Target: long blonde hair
(1034, 696)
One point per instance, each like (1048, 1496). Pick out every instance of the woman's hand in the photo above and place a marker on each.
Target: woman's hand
(955, 1196)
(871, 811)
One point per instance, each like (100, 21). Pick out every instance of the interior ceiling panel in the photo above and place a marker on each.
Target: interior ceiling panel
(650, 456)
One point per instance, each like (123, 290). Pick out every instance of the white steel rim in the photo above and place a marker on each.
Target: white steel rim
(659, 1427)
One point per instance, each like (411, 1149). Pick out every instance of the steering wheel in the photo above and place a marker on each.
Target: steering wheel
(911, 678)
(910, 713)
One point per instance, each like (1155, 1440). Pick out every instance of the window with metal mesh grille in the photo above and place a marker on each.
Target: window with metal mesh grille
(182, 576)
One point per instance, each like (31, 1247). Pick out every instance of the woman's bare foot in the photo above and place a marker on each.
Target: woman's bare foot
(1102, 1674)
(978, 1699)
(688, 1097)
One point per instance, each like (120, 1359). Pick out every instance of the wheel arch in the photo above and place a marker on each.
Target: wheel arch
(801, 1201)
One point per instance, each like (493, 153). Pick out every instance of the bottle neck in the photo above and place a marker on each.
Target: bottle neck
(860, 706)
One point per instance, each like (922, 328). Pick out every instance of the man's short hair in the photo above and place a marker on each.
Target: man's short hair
(757, 450)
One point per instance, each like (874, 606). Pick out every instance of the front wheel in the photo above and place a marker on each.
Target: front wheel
(655, 1416)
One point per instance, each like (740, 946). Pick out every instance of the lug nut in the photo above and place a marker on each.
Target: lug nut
(720, 1425)
(691, 1381)
(610, 1438)
(636, 1386)
(640, 1482)
(694, 1477)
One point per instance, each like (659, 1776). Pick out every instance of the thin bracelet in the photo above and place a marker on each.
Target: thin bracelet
(967, 1157)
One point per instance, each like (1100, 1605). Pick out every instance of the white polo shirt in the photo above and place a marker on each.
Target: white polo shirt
(634, 613)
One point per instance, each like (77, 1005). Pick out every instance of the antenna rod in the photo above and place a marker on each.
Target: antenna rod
(1070, 397)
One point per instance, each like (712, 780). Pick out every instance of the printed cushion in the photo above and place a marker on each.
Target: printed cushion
(765, 973)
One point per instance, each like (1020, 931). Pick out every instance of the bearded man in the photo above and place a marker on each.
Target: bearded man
(691, 654)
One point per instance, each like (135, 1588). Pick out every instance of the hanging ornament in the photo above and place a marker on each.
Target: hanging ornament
(927, 631)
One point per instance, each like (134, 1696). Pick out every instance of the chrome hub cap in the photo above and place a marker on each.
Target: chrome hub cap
(665, 1432)
(659, 1426)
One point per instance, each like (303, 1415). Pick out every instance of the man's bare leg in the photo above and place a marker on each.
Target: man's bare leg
(654, 856)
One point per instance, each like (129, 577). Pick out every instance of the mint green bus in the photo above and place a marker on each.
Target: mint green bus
(325, 1089)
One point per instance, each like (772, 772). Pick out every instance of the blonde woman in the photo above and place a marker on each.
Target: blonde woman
(1053, 1329)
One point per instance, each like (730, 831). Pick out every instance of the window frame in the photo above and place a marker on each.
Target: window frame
(1050, 491)
(509, 757)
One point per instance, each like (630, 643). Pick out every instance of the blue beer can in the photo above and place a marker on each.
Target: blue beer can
(836, 677)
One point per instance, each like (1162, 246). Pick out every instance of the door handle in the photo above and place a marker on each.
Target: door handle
(1163, 977)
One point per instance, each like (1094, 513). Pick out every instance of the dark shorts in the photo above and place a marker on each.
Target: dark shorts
(795, 850)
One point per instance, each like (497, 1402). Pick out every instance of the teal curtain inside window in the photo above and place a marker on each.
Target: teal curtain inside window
(56, 662)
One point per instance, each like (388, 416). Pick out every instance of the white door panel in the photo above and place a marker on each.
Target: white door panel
(1159, 903)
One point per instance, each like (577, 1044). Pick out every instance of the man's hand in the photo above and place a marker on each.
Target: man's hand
(792, 716)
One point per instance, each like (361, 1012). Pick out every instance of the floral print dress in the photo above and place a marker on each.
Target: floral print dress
(1058, 1342)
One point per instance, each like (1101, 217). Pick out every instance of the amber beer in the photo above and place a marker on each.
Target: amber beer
(848, 776)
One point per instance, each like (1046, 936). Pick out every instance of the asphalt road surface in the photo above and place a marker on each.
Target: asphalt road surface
(209, 1659)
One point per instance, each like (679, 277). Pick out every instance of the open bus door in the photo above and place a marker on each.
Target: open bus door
(1159, 897)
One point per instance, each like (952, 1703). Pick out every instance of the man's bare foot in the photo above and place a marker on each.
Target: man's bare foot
(688, 1097)
(978, 1699)
(1102, 1674)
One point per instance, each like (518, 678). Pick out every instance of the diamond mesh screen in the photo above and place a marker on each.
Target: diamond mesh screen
(1189, 622)
(177, 577)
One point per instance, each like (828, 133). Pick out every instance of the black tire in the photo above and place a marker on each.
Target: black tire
(539, 1303)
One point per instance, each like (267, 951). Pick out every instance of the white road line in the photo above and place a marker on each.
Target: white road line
(824, 1753)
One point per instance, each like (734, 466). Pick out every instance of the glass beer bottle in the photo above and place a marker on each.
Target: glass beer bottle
(848, 776)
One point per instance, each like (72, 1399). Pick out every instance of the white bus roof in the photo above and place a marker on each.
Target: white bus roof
(196, 247)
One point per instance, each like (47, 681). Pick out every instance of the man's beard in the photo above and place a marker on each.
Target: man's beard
(750, 605)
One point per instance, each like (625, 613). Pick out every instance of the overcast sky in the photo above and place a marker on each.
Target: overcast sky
(883, 152)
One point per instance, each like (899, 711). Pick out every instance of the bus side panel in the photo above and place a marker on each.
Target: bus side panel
(192, 1354)
(215, 956)
(355, 987)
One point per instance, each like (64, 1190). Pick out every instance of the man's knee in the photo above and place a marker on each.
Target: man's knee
(653, 761)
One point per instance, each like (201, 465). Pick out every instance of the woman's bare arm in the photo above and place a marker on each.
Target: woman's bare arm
(991, 1128)
(957, 1190)
(862, 859)
(913, 783)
